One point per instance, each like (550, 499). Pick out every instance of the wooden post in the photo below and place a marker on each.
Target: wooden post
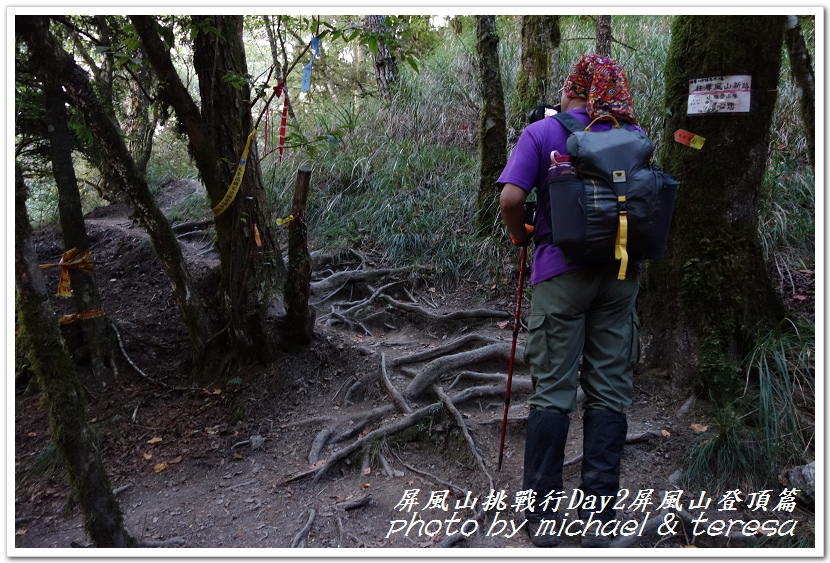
(299, 321)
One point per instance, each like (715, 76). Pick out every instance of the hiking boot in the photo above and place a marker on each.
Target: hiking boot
(545, 537)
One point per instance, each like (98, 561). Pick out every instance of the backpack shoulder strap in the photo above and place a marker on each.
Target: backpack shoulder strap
(569, 122)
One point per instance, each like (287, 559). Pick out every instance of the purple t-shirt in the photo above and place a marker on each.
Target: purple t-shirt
(528, 167)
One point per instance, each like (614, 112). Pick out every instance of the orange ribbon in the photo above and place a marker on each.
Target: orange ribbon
(70, 259)
(66, 319)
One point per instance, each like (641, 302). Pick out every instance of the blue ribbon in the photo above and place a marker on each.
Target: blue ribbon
(315, 52)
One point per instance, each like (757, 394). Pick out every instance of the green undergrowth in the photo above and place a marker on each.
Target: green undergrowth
(771, 425)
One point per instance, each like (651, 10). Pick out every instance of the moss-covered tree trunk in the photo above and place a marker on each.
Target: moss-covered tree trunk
(141, 126)
(99, 341)
(801, 67)
(63, 393)
(492, 127)
(702, 304)
(199, 320)
(554, 33)
(532, 81)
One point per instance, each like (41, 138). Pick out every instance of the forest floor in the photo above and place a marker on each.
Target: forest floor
(229, 465)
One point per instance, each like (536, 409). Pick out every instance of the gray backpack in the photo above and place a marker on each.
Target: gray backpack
(618, 205)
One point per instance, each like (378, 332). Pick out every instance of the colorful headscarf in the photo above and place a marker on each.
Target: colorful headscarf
(601, 81)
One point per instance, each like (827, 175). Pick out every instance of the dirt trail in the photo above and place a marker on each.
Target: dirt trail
(213, 467)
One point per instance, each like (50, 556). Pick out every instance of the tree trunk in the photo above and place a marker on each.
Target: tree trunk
(801, 68)
(299, 320)
(98, 338)
(532, 83)
(386, 67)
(603, 36)
(109, 187)
(550, 25)
(141, 125)
(492, 129)
(63, 393)
(251, 274)
(198, 319)
(252, 267)
(703, 302)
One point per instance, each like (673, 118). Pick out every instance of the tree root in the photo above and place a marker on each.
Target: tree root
(454, 316)
(442, 350)
(464, 430)
(681, 412)
(393, 393)
(450, 486)
(306, 529)
(171, 542)
(358, 387)
(346, 321)
(335, 280)
(354, 504)
(340, 430)
(382, 432)
(400, 425)
(439, 367)
(318, 444)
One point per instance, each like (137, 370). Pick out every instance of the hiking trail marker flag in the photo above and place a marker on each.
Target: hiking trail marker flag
(315, 52)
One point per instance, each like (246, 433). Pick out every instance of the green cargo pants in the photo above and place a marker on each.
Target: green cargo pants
(586, 314)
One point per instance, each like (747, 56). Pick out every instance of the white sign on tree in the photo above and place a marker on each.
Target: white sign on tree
(719, 94)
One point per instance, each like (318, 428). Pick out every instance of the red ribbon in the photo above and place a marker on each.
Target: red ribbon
(278, 89)
(282, 124)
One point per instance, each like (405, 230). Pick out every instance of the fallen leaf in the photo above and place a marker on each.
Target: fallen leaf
(31, 434)
(154, 440)
(147, 456)
(177, 459)
(503, 324)
(698, 427)
(317, 464)
(217, 391)
(800, 297)
(21, 531)
(159, 467)
(366, 485)
(237, 456)
(694, 546)
(256, 236)
(666, 433)
(367, 470)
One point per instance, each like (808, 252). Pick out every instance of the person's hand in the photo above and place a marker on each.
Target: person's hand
(526, 239)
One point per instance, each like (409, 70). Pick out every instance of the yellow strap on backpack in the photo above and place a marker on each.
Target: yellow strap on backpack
(237, 179)
(620, 250)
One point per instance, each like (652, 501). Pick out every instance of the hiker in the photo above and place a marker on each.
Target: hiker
(576, 312)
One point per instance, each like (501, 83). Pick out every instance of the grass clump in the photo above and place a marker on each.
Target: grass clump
(772, 425)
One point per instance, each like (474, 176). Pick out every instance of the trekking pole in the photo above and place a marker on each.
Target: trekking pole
(512, 353)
